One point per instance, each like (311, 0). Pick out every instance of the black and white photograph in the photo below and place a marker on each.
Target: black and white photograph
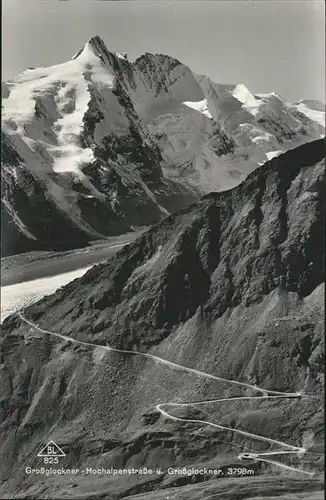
(162, 250)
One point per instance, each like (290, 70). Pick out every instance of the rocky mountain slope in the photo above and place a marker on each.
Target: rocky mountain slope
(98, 145)
(232, 286)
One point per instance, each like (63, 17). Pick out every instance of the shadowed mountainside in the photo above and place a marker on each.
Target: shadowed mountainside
(233, 286)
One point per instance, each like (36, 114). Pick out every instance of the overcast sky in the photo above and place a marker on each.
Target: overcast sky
(269, 46)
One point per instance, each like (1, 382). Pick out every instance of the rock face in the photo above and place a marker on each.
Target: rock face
(233, 286)
(107, 144)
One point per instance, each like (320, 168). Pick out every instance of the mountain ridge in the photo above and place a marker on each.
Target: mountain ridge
(231, 285)
(286, 167)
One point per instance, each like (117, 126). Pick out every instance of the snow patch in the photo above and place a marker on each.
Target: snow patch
(122, 55)
(273, 154)
(23, 228)
(200, 106)
(243, 95)
(316, 115)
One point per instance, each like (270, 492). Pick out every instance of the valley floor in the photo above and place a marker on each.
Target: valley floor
(26, 278)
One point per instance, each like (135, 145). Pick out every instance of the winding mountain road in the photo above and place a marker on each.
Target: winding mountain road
(268, 394)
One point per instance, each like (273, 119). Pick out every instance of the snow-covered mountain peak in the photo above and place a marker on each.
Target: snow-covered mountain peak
(243, 94)
(97, 44)
(93, 47)
(107, 139)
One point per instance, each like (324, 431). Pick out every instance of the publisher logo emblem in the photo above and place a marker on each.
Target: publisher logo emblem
(51, 450)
